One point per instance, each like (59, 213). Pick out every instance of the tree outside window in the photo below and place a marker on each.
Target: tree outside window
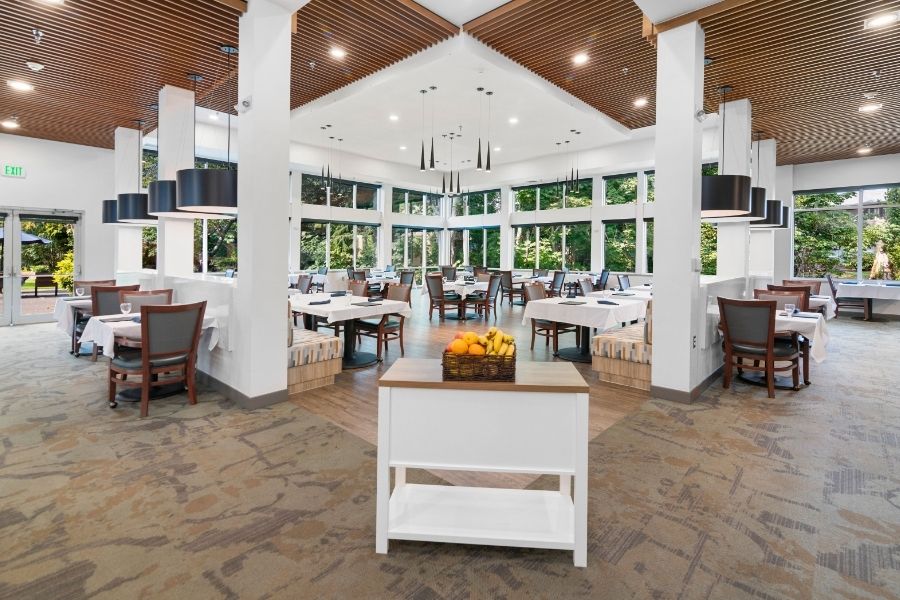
(476, 247)
(525, 247)
(551, 196)
(621, 189)
(526, 199)
(620, 245)
(492, 247)
(581, 194)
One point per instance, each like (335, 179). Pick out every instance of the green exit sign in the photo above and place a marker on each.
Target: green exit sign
(13, 170)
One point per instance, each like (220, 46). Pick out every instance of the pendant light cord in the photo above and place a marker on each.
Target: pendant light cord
(722, 166)
(228, 152)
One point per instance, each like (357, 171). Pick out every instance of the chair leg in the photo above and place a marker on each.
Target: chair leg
(770, 378)
(532, 335)
(191, 383)
(402, 352)
(94, 352)
(145, 396)
(112, 390)
(795, 372)
(726, 377)
(804, 355)
(555, 339)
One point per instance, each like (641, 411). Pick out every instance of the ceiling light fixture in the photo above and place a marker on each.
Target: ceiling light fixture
(479, 90)
(708, 60)
(34, 66)
(870, 107)
(132, 207)
(422, 158)
(513, 120)
(337, 53)
(580, 58)
(864, 150)
(19, 85)
(394, 118)
(883, 20)
(487, 166)
(431, 165)
(10, 123)
(640, 102)
(403, 147)
(497, 148)
(725, 195)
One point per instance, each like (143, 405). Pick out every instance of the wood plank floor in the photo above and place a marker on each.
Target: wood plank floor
(352, 403)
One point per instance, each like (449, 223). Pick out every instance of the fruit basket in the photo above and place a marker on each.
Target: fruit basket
(471, 357)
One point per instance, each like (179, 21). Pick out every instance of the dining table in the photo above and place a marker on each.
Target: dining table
(346, 309)
(869, 292)
(642, 294)
(824, 304)
(588, 314)
(66, 312)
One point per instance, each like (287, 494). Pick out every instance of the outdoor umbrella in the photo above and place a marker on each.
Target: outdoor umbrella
(28, 238)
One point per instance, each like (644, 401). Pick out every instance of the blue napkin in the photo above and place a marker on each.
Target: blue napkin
(137, 319)
(333, 295)
(623, 294)
(319, 302)
(611, 303)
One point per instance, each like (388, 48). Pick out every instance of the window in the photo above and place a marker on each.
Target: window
(492, 248)
(651, 186)
(621, 189)
(313, 190)
(476, 247)
(458, 206)
(558, 247)
(493, 202)
(526, 198)
(313, 241)
(457, 245)
(221, 244)
(148, 247)
(398, 201)
(551, 246)
(475, 203)
(649, 245)
(366, 197)
(581, 194)
(341, 246)
(366, 247)
(419, 247)
(578, 247)
(620, 245)
(524, 247)
(348, 246)
(432, 205)
(341, 193)
(709, 244)
(398, 247)
(432, 248)
(416, 201)
(551, 196)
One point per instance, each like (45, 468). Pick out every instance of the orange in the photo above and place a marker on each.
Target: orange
(459, 347)
(458, 336)
(476, 349)
(471, 337)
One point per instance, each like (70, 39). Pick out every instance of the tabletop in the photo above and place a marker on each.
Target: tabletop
(461, 288)
(889, 291)
(103, 330)
(64, 311)
(817, 302)
(344, 308)
(587, 312)
(635, 294)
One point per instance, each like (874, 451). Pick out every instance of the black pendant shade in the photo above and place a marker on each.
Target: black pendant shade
(785, 217)
(773, 218)
(478, 165)
(725, 196)
(207, 190)
(111, 211)
(162, 200)
(758, 207)
(132, 208)
(444, 185)
(487, 166)
(431, 163)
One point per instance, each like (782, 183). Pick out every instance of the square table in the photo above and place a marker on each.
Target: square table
(347, 309)
(104, 330)
(869, 292)
(634, 294)
(587, 314)
(817, 303)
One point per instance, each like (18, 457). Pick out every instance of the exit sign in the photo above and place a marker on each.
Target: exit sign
(13, 170)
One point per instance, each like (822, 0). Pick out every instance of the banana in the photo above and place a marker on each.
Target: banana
(502, 350)
(511, 351)
(491, 331)
(498, 335)
(483, 340)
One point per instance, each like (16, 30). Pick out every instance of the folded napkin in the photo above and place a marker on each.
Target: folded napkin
(572, 303)
(336, 294)
(137, 319)
(807, 315)
(611, 303)
(73, 298)
(366, 303)
(319, 302)
(117, 318)
(623, 294)
(820, 296)
(375, 298)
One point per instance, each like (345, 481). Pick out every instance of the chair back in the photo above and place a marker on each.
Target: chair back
(434, 283)
(407, 277)
(304, 282)
(506, 280)
(648, 324)
(556, 285)
(368, 272)
(624, 282)
(349, 273)
(87, 285)
(586, 286)
(230, 273)
(358, 275)
(540, 272)
(139, 299)
(359, 288)
(493, 288)
(748, 322)
(173, 330)
(799, 297)
(323, 271)
(792, 288)
(604, 279)
(449, 273)
(105, 299)
(483, 277)
(815, 287)
(479, 271)
(831, 284)
(535, 291)
(389, 269)
(399, 291)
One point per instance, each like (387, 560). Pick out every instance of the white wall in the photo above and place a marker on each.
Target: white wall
(854, 172)
(70, 177)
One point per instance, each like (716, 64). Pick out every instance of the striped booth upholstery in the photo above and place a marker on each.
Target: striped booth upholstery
(313, 360)
(623, 356)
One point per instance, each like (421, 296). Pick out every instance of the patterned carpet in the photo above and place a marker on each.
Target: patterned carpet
(737, 496)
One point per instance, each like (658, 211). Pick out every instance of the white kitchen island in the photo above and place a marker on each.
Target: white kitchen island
(537, 424)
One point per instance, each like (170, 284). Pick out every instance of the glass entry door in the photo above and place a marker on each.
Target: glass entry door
(38, 261)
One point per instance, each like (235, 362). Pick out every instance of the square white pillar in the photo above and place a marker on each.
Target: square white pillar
(129, 238)
(676, 251)
(733, 250)
(507, 239)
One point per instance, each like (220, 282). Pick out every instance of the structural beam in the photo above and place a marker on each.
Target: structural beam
(240, 5)
(433, 17)
(650, 30)
(497, 13)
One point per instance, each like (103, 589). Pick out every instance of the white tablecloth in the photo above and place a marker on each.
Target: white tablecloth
(815, 330)
(316, 278)
(633, 293)
(867, 290)
(104, 333)
(341, 308)
(65, 309)
(590, 314)
(641, 288)
(463, 289)
(382, 280)
(816, 302)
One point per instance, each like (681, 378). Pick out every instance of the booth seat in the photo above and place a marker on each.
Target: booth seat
(623, 356)
(313, 360)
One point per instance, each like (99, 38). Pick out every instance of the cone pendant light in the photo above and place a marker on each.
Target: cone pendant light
(443, 184)
(431, 165)
(487, 166)
(478, 166)
(422, 155)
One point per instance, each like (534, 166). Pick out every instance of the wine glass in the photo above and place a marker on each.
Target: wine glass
(125, 307)
(79, 291)
(789, 309)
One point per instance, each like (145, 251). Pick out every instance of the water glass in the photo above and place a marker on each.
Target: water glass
(79, 291)
(126, 307)
(789, 309)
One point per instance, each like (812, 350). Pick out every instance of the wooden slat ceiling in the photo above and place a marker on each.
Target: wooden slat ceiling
(804, 64)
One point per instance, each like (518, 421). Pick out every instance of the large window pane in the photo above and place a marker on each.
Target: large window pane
(148, 247)
(620, 245)
(312, 190)
(526, 198)
(476, 203)
(432, 248)
(551, 247)
(493, 202)
(341, 246)
(551, 196)
(416, 252)
(709, 244)
(458, 206)
(433, 205)
(398, 201)
(580, 194)
(476, 247)
(649, 246)
(621, 189)
(881, 243)
(578, 247)
(312, 245)
(651, 186)
(366, 246)
(366, 197)
(825, 241)
(221, 245)
(398, 245)
(492, 248)
(416, 201)
(457, 256)
(341, 193)
(524, 248)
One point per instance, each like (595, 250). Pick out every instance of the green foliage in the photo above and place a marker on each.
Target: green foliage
(650, 225)
(148, 247)
(551, 196)
(621, 189)
(312, 190)
(824, 241)
(341, 246)
(221, 247)
(709, 243)
(64, 275)
(493, 248)
(550, 247)
(580, 195)
(621, 242)
(578, 247)
(493, 202)
(38, 258)
(525, 248)
(651, 187)
(526, 199)
(149, 168)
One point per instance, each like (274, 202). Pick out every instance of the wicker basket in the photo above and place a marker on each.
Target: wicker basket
(470, 367)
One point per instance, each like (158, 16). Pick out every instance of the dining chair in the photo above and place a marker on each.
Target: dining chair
(407, 277)
(485, 300)
(860, 303)
(587, 287)
(323, 271)
(482, 277)
(748, 327)
(507, 289)
(555, 288)
(540, 272)
(139, 299)
(548, 329)
(815, 287)
(438, 299)
(304, 283)
(604, 279)
(104, 301)
(81, 317)
(359, 288)
(476, 271)
(230, 273)
(448, 273)
(320, 286)
(388, 327)
(624, 282)
(797, 296)
(389, 268)
(87, 285)
(169, 339)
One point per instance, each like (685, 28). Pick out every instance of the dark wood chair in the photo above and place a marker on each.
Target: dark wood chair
(448, 273)
(388, 327)
(859, 303)
(748, 327)
(556, 286)
(624, 282)
(603, 281)
(151, 297)
(169, 339)
(540, 272)
(81, 317)
(485, 300)
(304, 283)
(45, 281)
(104, 301)
(476, 271)
(815, 286)
(507, 289)
(548, 329)
(320, 287)
(799, 297)
(439, 299)
(587, 287)
(359, 288)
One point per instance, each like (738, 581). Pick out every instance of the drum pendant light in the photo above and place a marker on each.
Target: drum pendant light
(773, 216)
(110, 212)
(725, 195)
(758, 205)
(209, 190)
(132, 208)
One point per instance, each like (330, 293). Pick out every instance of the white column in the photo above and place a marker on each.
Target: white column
(260, 340)
(733, 250)
(127, 170)
(507, 239)
(676, 280)
(597, 259)
(175, 237)
(762, 241)
(385, 248)
(640, 260)
(296, 220)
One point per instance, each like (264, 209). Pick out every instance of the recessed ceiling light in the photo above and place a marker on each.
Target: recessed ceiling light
(19, 85)
(394, 118)
(864, 150)
(513, 120)
(213, 116)
(708, 60)
(403, 147)
(34, 66)
(882, 20)
(640, 102)
(53, 1)
(497, 148)
(338, 52)
(10, 123)
(869, 107)
(580, 58)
